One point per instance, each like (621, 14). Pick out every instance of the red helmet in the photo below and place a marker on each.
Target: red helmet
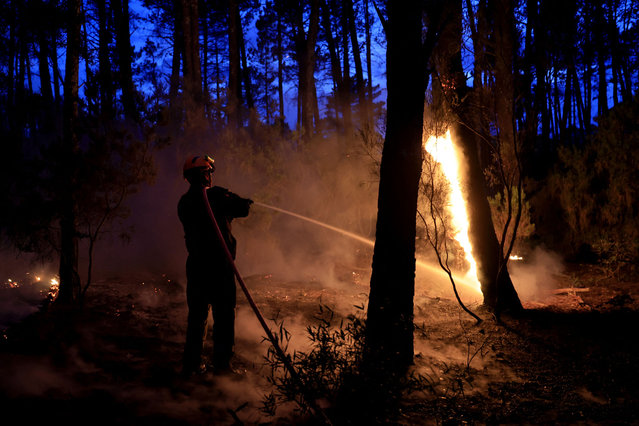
(198, 162)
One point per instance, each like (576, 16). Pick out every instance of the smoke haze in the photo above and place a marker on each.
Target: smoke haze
(536, 276)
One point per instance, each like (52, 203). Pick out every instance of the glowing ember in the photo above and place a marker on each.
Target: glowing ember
(54, 288)
(515, 257)
(12, 284)
(443, 152)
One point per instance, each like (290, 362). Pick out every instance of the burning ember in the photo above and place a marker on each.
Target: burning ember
(35, 282)
(12, 284)
(443, 152)
(53, 289)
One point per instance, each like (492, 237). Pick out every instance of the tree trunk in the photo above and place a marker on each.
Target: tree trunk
(194, 105)
(218, 76)
(125, 58)
(305, 52)
(45, 74)
(235, 84)
(336, 70)
(104, 71)
(542, 90)
(57, 79)
(206, 99)
(359, 72)
(602, 86)
(479, 25)
(613, 39)
(345, 91)
(178, 46)
(369, 62)
(588, 60)
(532, 113)
(246, 76)
(69, 278)
(280, 67)
(43, 66)
(11, 60)
(390, 326)
(497, 287)
(504, 90)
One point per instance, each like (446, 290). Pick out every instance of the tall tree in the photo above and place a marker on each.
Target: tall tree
(104, 61)
(69, 277)
(192, 71)
(497, 287)
(304, 38)
(389, 328)
(176, 61)
(331, 44)
(352, 32)
(280, 62)
(600, 48)
(235, 82)
(369, 60)
(121, 16)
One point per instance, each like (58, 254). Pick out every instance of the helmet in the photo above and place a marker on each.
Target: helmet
(198, 162)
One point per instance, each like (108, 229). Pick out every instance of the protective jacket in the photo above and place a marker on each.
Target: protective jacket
(201, 241)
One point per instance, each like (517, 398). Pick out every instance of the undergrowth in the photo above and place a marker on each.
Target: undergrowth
(338, 376)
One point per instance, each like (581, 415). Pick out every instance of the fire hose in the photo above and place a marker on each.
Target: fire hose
(278, 349)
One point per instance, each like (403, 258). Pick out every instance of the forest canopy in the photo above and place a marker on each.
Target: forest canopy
(90, 90)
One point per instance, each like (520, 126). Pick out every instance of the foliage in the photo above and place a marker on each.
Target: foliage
(334, 374)
(110, 165)
(499, 209)
(597, 186)
(336, 353)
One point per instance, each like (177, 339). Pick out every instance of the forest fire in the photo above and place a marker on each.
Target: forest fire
(442, 149)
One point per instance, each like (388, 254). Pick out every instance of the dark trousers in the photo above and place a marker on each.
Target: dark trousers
(214, 287)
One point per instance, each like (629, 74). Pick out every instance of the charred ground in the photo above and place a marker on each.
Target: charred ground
(573, 357)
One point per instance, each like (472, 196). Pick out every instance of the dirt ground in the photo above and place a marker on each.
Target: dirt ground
(572, 358)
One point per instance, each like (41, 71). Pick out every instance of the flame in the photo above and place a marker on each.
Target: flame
(442, 149)
(54, 288)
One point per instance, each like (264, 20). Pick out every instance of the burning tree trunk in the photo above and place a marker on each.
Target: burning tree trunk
(390, 307)
(497, 287)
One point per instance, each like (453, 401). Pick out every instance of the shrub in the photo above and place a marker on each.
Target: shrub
(597, 185)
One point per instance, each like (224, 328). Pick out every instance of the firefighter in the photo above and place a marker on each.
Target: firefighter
(210, 277)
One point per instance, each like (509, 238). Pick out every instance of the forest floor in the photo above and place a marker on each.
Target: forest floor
(571, 358)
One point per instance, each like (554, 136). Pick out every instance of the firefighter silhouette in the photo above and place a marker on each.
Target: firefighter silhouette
(210, 277)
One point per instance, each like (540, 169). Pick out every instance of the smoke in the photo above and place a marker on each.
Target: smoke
(33, 376)
(536, 275)
(24, 285)
(321, 181)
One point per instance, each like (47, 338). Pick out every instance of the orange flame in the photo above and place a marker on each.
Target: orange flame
(443, 151)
